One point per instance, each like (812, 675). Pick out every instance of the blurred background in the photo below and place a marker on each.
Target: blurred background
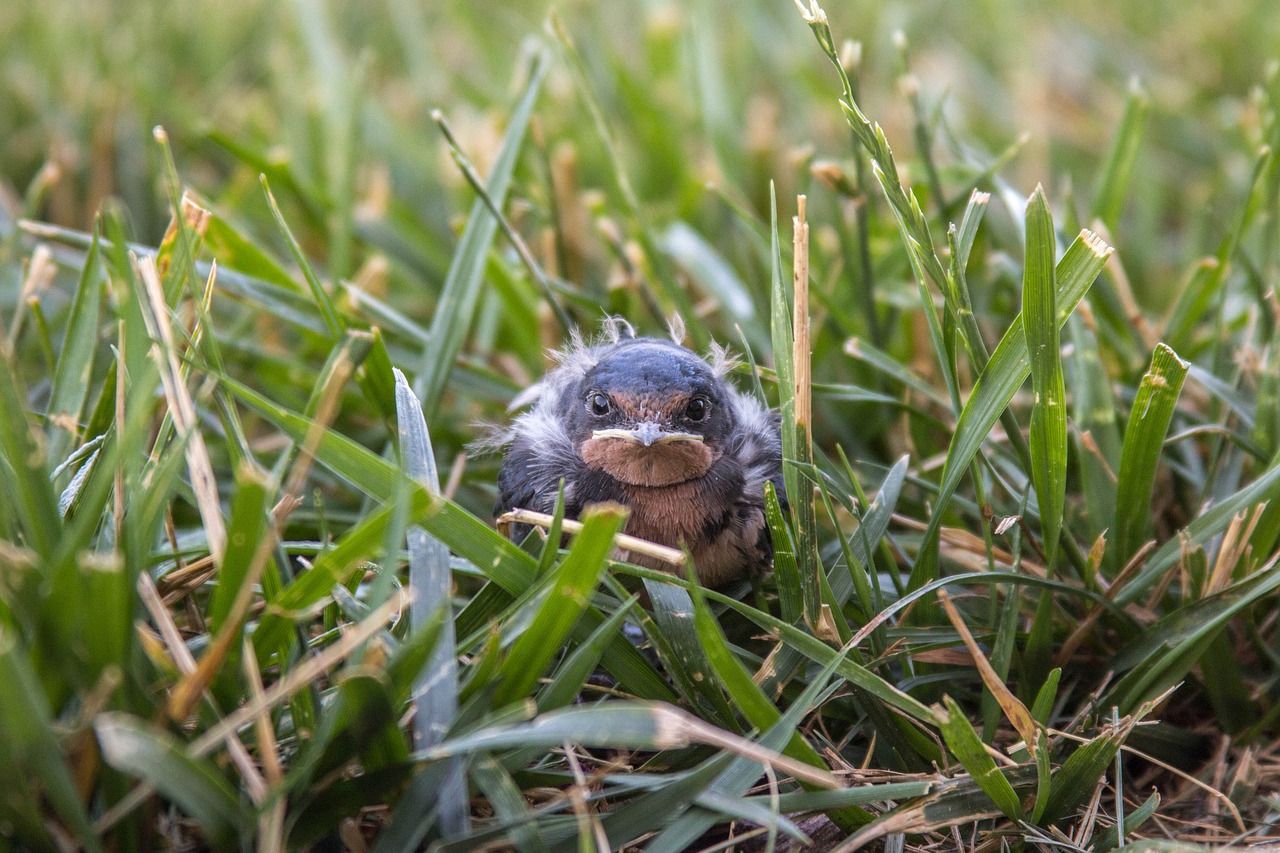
(728, 93)
(704, 103)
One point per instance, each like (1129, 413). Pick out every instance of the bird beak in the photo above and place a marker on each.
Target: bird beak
(646, 434)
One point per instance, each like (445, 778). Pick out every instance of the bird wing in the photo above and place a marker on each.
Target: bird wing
(757, 445)
(539, 456)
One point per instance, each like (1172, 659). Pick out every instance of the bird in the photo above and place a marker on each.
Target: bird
(649, 424)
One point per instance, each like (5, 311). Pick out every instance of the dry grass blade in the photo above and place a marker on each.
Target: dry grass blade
(182, 409)
(671, 556)
(1014, 710)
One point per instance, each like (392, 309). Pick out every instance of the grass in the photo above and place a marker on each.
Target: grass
(1021, 331)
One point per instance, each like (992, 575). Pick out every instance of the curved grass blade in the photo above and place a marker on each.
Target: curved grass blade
(195, 785)
(752, 701)
(738, 777)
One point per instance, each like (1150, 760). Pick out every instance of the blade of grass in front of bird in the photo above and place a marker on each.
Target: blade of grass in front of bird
(673, 617)
(435, 691)
(738, 777)
(566, 597)
(1048, 436)
(571, 675)
(1009, 367)
(751, 700)
(1153, 408)
(456, 306)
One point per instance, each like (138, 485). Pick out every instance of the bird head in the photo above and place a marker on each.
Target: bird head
(649, 413)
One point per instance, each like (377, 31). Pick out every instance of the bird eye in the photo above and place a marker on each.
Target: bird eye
(598, 404)
(697, 410)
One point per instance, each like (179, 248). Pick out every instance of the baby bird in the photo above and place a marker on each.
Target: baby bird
(648, 424)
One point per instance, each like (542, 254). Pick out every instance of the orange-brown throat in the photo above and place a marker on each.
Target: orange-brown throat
(637, 464)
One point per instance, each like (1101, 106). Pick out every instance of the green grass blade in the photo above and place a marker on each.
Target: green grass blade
(1113, 182)
(1143, 441)
(245, 530)
(323, 300)
(71, 381)
(963, 741)
(1106, 840)
(195, 785)
(752, 701)
(30, 742)
(460, 295)
(558, 611)
(1009, 367)
(332, 567)
(431, 581)
(577, 668)
(673, 615)
(1049, 410)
